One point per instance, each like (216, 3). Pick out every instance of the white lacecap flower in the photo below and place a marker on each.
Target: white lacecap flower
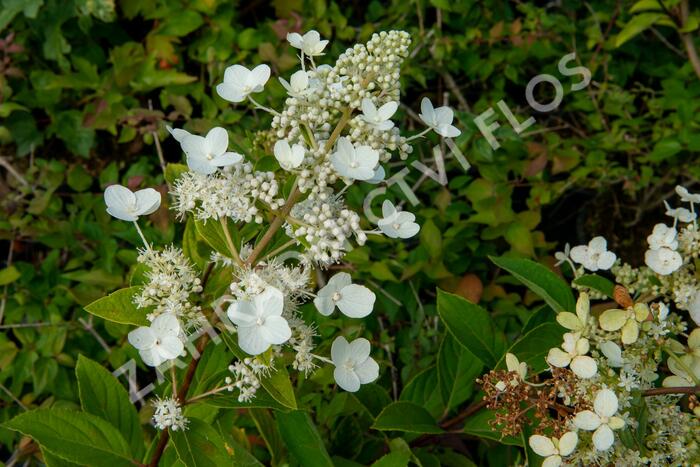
(126, 205)
(602, 419)
(353, 365)
(562, 256)
(626, 320)
(663, 261)
(613, 353)
(686, 196)
(553, 449)
(289, 157)
(515, 365)
(298, 84)
(439, 120)
(379, 118)
(355, 301)
(663, 236)
(158, 342)
(240, 82)
(576, 322)
(259, 322)
(397, 224)
(355, 163)
(168, 414)
(594, 256)
(680, 214)
(574, 356)
(310, 43)
(208, 153)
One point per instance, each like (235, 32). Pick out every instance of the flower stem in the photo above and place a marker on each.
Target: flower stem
(138, 229)
(344, 119)
(262, 107)
(411, 138)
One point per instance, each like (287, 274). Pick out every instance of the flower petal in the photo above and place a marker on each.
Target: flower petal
(586, 420)
(542, 445)
(552, 461)
(147, 201)
(142, 338)
(251, 340)
(584, 366)
(630, 332)
(359, 350)
(367, 371)
(612, 320)
(340, 350)
(603, 438)
(276, 330)
(559, 358)
(567, 443)
(170, 347)
(605, 403)
(346, 379)
(166, 324)
(356, 301)
(242, 313)
(216, 141)
(269, 303)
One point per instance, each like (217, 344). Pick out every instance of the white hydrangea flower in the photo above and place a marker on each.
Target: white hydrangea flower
(594, 256)
(239, 82)
(379, 118)
(439, 120)
(686, 196)
(613, 353)
(627, 320)
(353, 365)
(298, 84)
(515, 365)
(663, 261)
(354, 301)
(680, 214)
(310, 43)
(355, 163)
(574, 356)
(206, 154)
(259, 322)
(553, 449)
(397, 224)
(663, 236)
(562, 256)
(576, 322)
(602, 420)
(158, 342)
(289, 157)
(126, 205)
(168, 414)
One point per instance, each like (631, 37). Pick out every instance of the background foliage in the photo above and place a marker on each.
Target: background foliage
(85, 89)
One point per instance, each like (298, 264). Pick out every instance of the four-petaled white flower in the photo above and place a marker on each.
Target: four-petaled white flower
(576, 322)
(440, 119)
(613, 353)
(205, 154)
(259, 322)
(562, 256)
(379, 118)
(627, 320)
(686, 196)
(663, 236)
(355, 301)
(310, 43)
(603, 420)
(595, 255)
(353, 365)
(158, 342)
(574, 356)
(680, 214)
(397, 224)
(126, 205)
(663, 261)
(289, 157)
(553, 449)
(298, 84)
(357, 163)
(240, 82)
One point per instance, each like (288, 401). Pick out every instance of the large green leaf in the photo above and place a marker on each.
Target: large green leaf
(457, 369)
(212, 232)
(200, 445)
(421, 391)
(406, 416)
(78, 437)
(637, 25)
(102, 395)
(596, 282)
(532, 348)
(471, 325)
(270, 432)
(479, 425)
(302, 439)
(119, 307)
(540, 280)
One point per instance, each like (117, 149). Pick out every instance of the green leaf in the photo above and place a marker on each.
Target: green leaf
(555, 292)
(196, 251)
(102, 395)
(479, 425)
(471, 325)
(302, 439)
(75, 436)
(457, 369)
(9, 275)
(212, 233)
(637, 25)
(406, 416)
(532, 348)
(596, 282)
(200, 445)
(173, 172)
(270, 433)
(119, 308)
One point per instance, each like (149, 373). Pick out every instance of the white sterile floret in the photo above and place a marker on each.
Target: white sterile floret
(355, 163)
(663, 261)
(594, 256)
(310, 43)
(126, 205)
(553, 449)
(298, 84)
(354, 301)
(397, 224)
(379, 118)
(515, 365)
(439, 120)
(663, 236)
(686, 196)
(680, 214)
(158, 342)
(353, 365)
(602, 419)
(613, 353)
(576, 322)
(574, 356)
(208, 153)
(627, 321)
(562, 256)
(259, 322)
(240, 82)
(168, 414)
(289, 157)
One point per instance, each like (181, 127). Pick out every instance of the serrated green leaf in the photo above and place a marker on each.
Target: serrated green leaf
(119, 308)
(200, 445)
